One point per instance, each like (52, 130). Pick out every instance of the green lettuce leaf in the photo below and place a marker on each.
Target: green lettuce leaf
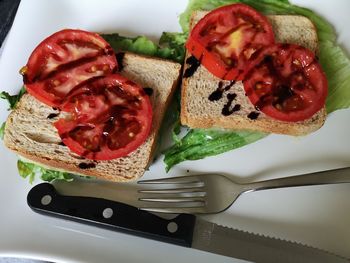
(334, 62)
(140, 44)
(50, 175)
(337, 68)
(12, 99)
(31, 170)
(171, 45)
(201, 143)
(2, 130)
(175, 43)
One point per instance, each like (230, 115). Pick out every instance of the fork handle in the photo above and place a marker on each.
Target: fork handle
(336, 176)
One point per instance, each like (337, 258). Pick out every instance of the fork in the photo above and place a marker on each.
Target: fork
(214, 193)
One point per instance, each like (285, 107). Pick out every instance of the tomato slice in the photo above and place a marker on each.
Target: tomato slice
(110, 117)
(63, 61)
(286, 82)
(225, 39)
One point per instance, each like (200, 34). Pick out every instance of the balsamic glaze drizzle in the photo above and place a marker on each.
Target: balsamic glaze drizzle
(87, 165)
(227, 109)
(52, 115)
(217, 94)
(148, 91)
(193, 66)
(120, 57)
(253, 115)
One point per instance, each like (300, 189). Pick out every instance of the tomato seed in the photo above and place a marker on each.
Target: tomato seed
(278, 106)
(258, 86)
(299, 77)
(296, 62)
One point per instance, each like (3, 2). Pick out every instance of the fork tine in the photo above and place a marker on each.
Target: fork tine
(176, 200)
(186, 194)
(183, 190)
(171, 180)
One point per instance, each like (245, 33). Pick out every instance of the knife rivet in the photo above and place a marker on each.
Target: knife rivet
(172, 227)
(107, 213)
(46, 199)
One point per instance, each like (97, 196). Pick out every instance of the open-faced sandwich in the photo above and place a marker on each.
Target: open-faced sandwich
(245, 71)
(88, 110)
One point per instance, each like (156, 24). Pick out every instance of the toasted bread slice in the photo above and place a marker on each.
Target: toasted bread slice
(197, 111)
(30, 132)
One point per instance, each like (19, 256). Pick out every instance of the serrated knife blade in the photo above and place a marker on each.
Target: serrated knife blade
(184, 230)
(235, 243)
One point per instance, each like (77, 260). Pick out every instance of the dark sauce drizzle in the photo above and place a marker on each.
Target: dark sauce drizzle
(193, 66)
(217, 94)
(148, 91)
(227, 109)
(253, 115)
(86, 165)
(120, 57)
(52, 115)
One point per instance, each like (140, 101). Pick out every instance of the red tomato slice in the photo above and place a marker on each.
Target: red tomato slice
(286, 82)
(225, 39)
(111, 117)
(64, 60)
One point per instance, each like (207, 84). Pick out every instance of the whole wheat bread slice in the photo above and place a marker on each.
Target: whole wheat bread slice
(197, 111)
(29, 131)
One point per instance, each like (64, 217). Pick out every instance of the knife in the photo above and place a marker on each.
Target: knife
(184, 230)
(8, 9)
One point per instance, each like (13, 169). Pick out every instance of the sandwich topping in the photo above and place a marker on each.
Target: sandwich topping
(109, 115)
(63, 61)
(284, 81)
(226, 38)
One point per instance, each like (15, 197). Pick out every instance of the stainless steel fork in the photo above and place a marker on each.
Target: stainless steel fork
(214, 193)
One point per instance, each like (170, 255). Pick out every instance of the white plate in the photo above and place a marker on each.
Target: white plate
(318, 216)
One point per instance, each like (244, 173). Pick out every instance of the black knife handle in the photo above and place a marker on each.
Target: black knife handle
(43, 198)
(8, 9)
